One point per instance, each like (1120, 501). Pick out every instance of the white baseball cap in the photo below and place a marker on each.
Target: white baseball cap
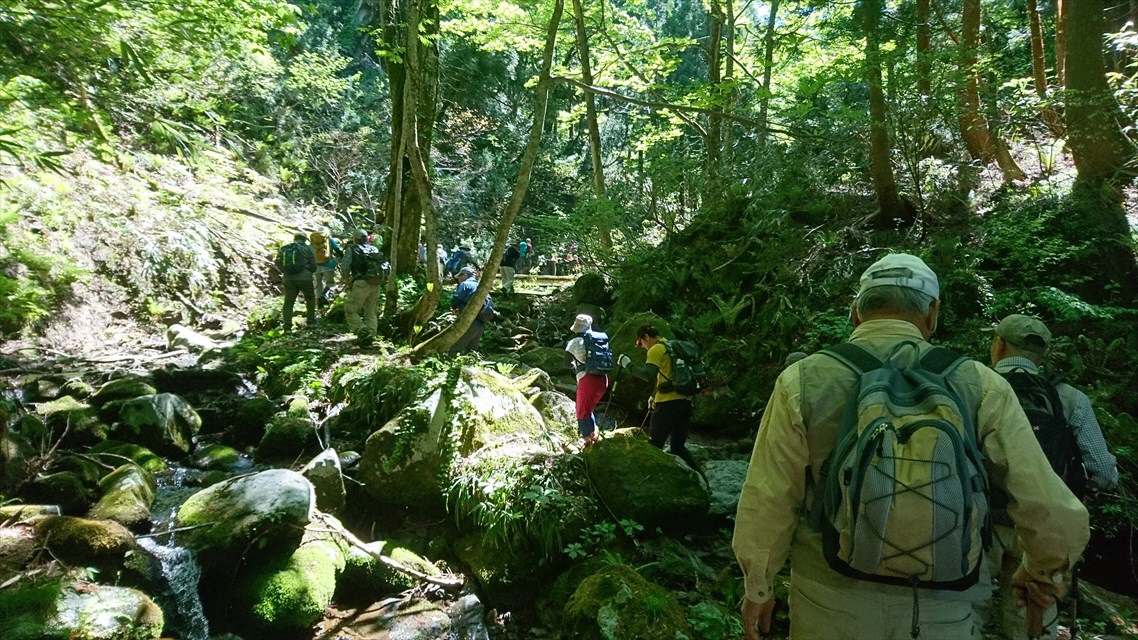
(901, 270)
(583, 322)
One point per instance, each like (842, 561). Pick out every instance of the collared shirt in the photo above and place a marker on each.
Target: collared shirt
(1101, 466)
(798, 432)
(464, 292)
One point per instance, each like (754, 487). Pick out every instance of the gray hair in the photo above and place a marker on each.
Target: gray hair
(899, 299)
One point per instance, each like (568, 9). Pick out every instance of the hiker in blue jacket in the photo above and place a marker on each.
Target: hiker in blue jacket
(467, 285)
(297, 263)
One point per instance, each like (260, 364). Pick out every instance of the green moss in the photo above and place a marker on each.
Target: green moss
(293, 598)
(140, 455)
(617, 604)
(81, 539)
(217, 457)
(287, 437)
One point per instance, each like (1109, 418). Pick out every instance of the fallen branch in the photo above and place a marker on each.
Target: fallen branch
(450, 585)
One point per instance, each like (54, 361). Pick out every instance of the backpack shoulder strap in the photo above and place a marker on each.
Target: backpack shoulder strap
(855, 358)
(941, 361)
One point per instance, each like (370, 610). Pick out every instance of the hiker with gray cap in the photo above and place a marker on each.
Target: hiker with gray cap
(1071, 438)
(838, 586)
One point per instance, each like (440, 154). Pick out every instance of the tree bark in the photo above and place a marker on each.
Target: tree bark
(1039, 70)
(981, 143)
(1060, 43)
(768, 64)
(599, 192)
(447, 338)
(714, 138)
(1097, 143)
(403, 210)
(924, 49)
(892, 209)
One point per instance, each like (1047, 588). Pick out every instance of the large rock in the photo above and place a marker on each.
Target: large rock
(84, 542)
(287, 437)
(273, 505)
(114, 451)
(125, 388)
(327, 478)
(366, 579)
(638, 481)
(617, 604)
(557, 410)
(285, 599)
(725, 483)
(163, 422)
(128, 493)
(75, 423)
(219, 457)
(404, 462)
(54, 609)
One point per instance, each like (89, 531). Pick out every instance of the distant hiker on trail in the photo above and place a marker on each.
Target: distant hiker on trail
(327, 250)
(931, 456)
(363, 275)
(508, 266)
(441, 256)
(467, 285)
(1070, 436)
(297, 263)
(524, 255)
(458, 259)
(589, 357)
(671, 409)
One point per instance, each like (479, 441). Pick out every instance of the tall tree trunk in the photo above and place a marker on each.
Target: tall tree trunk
(603, 226)
(1060, 43)
(1039, 70)
(714, 137)
(728, 77)
(447, 338)
(924, 49)
(403, 212)
(1096, 140)
(981, 143)
(888, 199)
(768, 64)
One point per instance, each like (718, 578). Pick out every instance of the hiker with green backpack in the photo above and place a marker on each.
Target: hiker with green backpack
(676, 372)
(297, 262)
(871, 472)
(1068, 433)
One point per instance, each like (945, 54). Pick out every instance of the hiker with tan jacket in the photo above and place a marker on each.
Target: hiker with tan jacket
(857, 524)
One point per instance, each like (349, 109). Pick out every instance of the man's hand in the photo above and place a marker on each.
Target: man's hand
(1037, 595)
(623, 360)
(757, 618)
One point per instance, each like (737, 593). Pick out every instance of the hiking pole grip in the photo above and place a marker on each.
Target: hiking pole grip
(1034, 620)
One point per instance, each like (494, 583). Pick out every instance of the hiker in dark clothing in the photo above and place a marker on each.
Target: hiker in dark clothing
(671, 410)
(467, 285)
(508, 266)
(297, 263)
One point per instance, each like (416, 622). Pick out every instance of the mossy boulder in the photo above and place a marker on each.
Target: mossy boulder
(401, 462)
(248, 422)
(549, 359)
(287, 437)
(591, 289)
(16, 452)
(77, 388)
(366, 579)
(273, 506)
(515, 575)
(43, 387)
(125, 388)
(82, 541)
(535, 378)
(112, 451)
(286, 598)
(219, 457)
(58, 609)
(640, 482)
(163, 422)
(76, 423)
(128, 493)
(64, 488)
(557, 410)
(616, 603)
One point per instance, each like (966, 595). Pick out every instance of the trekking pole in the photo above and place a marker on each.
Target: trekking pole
(1075, 602)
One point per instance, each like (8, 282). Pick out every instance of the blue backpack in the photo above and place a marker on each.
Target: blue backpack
(598, 355)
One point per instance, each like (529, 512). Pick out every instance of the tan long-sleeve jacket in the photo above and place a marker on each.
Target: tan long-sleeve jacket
(799, 429)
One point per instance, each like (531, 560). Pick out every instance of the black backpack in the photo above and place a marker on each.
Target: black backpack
(688, 373)
(598, 355)
(367, 263)
(1039, 398)
(292, 258)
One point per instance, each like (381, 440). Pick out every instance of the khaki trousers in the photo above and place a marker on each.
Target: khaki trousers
(363, 299)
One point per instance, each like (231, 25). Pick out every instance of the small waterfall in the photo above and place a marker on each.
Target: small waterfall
(179, 599)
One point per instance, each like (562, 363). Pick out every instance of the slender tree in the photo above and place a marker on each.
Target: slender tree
(981, 142)
(603, 230)
(447, 338)
(768, 67)
(1039, 70)
(924, 50)
(892, 209)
